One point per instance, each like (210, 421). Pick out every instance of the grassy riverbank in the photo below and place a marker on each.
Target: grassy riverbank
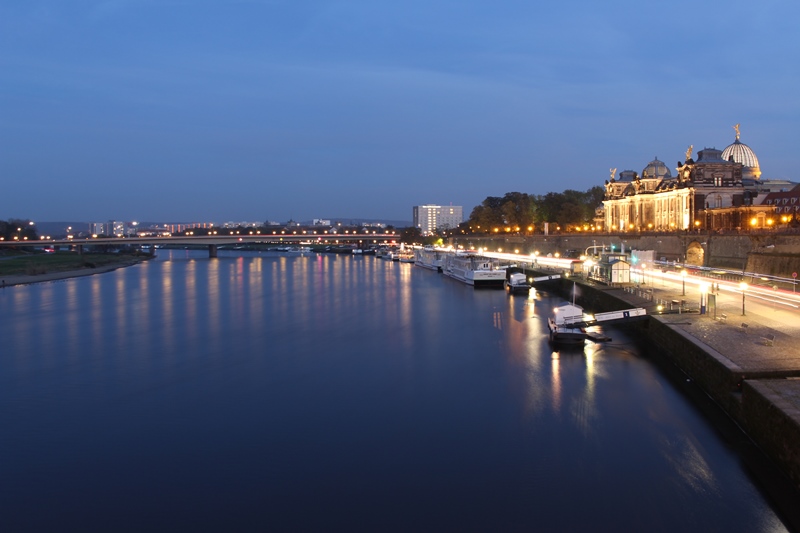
(44, 263)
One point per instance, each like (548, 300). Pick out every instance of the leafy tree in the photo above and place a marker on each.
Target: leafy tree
(410, 235)
(19, 229)
(487, 216)
(516, 209)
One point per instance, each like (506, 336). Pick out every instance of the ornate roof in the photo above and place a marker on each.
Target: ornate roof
(741, 153)
(656, 169)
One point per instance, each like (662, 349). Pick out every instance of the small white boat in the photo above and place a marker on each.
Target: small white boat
(406, 257)
(517, 283)
(566, 325)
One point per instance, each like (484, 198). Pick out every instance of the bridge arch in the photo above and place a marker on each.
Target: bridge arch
(695, 254)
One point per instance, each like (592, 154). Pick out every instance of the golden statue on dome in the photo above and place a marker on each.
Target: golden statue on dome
(689, 152)
(613, 171)
(736, 127)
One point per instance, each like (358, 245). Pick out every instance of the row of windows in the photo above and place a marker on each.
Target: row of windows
(785, 201)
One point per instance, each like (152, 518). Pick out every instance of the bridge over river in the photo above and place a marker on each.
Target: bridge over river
(211, 241)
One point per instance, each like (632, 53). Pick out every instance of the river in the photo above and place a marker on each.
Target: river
(284, 392)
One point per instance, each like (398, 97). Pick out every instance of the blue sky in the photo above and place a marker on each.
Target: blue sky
(203, 110)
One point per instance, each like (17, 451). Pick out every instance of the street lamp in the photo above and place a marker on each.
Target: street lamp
(704, 299)
(683, 279)
(743, 287)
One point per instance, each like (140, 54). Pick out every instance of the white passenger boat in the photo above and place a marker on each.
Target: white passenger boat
(474, 270)
(300, 250)
(566, 325)
(406, 256)
(429, 258)
(517, 283)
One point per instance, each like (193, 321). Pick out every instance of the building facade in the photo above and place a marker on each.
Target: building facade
(787, 205)
(429, 218)
(719, 191)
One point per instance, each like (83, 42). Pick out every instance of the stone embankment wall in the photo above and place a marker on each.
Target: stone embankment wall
(724, 251)
(766, 253)
(773, 264)
(710, 370)
(746, 397)
(774, 421)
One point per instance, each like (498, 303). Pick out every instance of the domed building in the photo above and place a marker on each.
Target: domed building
(715, 192)
(656, 169)
(741, 153)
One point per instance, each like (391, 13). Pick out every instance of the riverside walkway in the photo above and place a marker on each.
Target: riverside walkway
(768, 344)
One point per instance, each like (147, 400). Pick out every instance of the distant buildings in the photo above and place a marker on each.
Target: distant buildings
(113, 228)
(243, 224)
(429, 218)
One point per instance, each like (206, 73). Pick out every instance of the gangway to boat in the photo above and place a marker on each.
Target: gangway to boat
(546, 278)
(626, 315)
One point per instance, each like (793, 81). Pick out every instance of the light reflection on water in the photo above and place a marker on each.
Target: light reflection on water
(300, 392)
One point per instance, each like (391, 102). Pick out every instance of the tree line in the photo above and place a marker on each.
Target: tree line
(18, 229)
(527, 213)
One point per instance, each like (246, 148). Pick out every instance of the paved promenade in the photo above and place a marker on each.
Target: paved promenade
(747, 348)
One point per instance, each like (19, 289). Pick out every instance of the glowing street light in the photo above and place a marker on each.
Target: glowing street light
(704, 298)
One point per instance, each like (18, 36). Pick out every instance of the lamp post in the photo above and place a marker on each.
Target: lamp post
(683, 279)
(743, 287)
(703, 297)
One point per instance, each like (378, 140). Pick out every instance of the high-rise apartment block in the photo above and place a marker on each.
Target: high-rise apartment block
(429, 218)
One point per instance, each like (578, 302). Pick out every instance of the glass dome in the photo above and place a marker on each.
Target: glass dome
(656, 169)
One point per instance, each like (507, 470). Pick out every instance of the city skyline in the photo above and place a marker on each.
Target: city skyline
(207, 110)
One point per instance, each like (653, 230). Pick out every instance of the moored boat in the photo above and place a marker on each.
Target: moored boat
(406, 256)
(517, 283)
(474, 270)
(300, 250)
(566, 325)
(429, 258)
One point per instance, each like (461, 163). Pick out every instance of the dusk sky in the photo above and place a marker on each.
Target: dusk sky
(203, 110)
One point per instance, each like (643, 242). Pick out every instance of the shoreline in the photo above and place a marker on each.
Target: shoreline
(25, 279)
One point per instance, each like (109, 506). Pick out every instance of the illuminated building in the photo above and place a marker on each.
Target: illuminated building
(429, 218)
(716, 192)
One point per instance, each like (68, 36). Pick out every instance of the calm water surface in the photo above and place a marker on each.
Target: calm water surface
(321, 392)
